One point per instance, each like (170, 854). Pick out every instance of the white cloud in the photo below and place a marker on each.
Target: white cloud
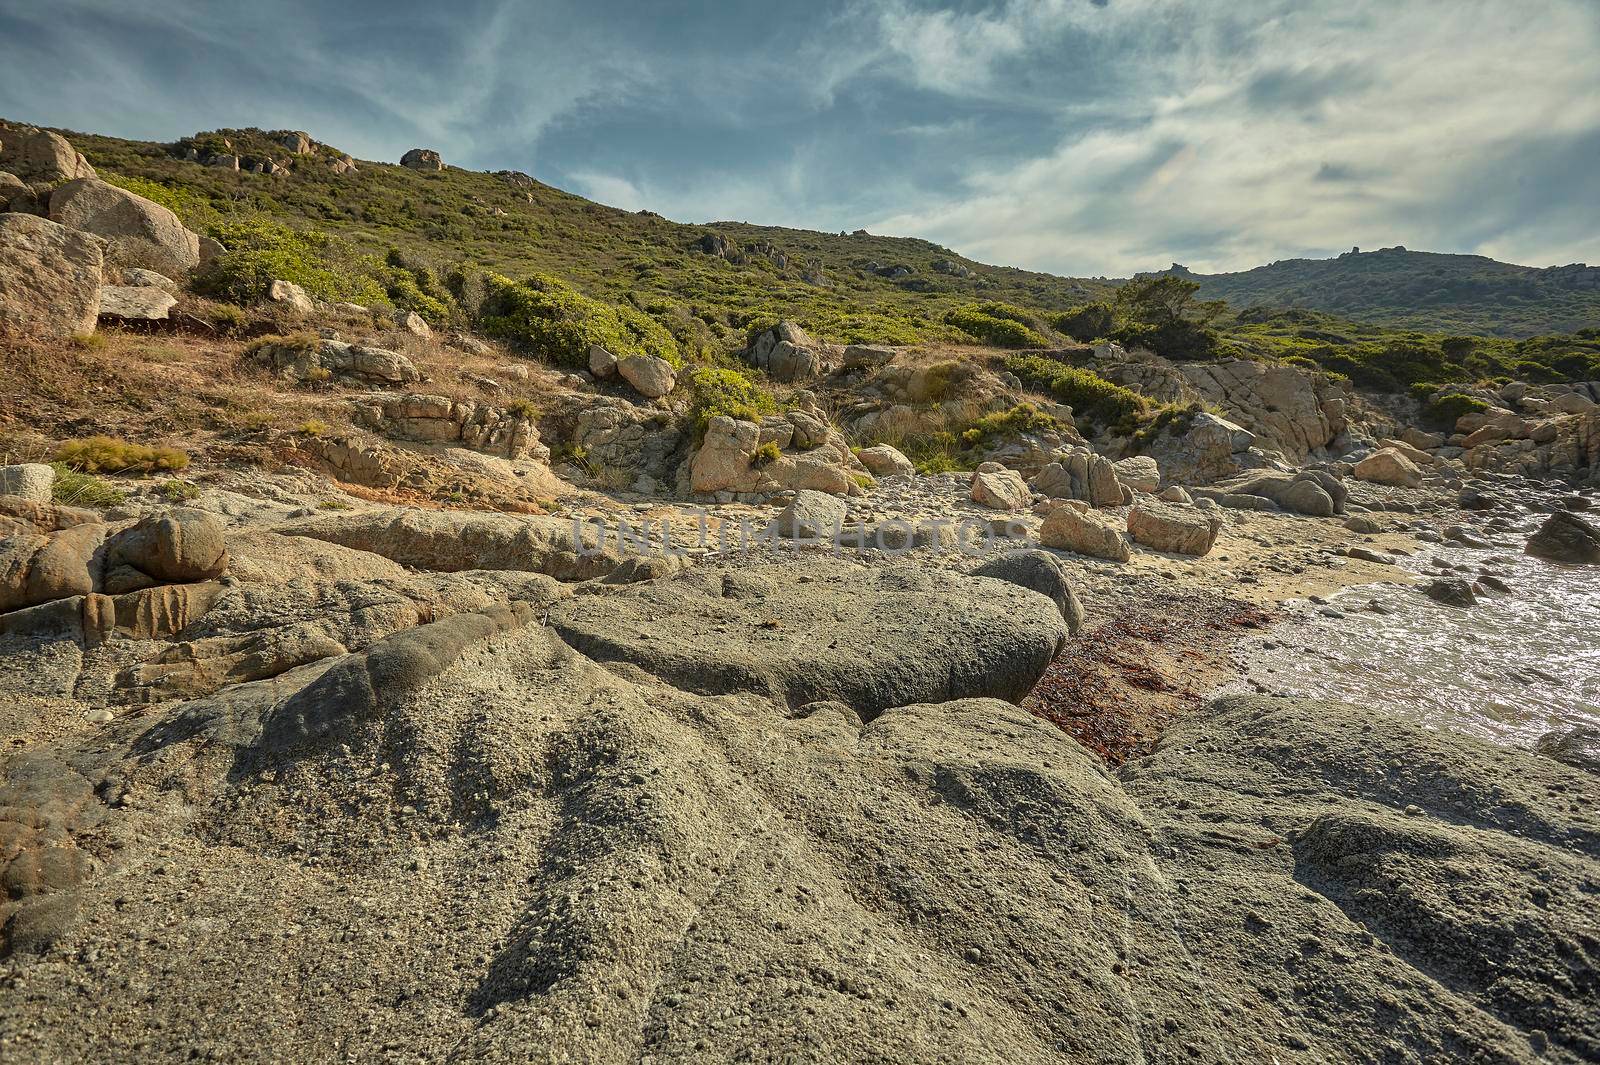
(1220, 161)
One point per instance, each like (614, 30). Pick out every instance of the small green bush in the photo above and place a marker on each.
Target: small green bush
(998, 324)
(103, 454)
(722, 391)
(1175, 339)
(1088, 322)
(76, 489)
(261, 251)
(176, 491)
(1447, 409)
(555, 321)
(1023, 418)
(1089, 395)
(766, 455)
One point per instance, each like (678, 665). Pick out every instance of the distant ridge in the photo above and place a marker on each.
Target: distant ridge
(1467, 294)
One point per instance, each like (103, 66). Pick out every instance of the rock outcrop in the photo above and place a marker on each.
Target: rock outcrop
(49, 277)
(1565, 537)
(304, 359)
(138, 232)
(38, 155)
(1081, 530)
(1081, 474)
(810, 454)
(441, 420)
(786, 353)
(422, 159)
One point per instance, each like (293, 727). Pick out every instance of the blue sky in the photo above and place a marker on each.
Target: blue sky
(1082, 137)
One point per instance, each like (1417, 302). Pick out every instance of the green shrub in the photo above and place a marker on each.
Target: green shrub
(999, 325)
(942, 377)
(1088, 322)
(721, 391)
(934, 453)
(766, 455)
(103, 454)
(1447, 409)
(557, 322)
(1175, 339)
(261, 251)
(1090, 396)
(76, 489)
(176, 491)
(1023, 418)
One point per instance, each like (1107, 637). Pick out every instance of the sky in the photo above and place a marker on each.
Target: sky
(1080, 137)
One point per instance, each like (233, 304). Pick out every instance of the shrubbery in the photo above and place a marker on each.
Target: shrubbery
(261, 251)
(75, 489)
(1000, 325)
(1089, 395)
(1023, 418)
(1088, 322)
(557, 322)
(103, 454)
(1447, 409)
(721, 391)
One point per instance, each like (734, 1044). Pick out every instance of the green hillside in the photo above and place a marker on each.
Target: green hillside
(719, 278)
(1468, 294)
(445, 242)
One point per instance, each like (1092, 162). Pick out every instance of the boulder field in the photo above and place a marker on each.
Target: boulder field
(411, 786)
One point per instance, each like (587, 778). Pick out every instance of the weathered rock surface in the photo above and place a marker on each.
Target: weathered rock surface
(811, 455)
(1388, 466)
(1179, 530)
(291, 295)
(811, 516)
(998, 488)
(49, 277)
(1081, 474)
(298, 360)
(38, 155)
(1041, 572)
(1085, 532)
(1312, 492)
(1140, 473)
(135, 303)
(787, 353)
(1565, 537)
(448, 541)
(441, 420)
(870, 638)
(138, 232)
(31, 481)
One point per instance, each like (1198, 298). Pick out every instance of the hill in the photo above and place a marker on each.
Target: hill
(1468, 294)
(724, 276)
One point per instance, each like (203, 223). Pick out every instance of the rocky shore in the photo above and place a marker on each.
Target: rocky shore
(376, 693)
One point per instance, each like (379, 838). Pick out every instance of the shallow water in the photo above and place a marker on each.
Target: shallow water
(1509, 669)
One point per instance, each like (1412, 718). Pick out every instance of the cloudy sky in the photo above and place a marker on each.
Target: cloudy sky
(1082, 137)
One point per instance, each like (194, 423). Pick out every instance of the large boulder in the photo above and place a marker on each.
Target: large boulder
(139, 303)
(735, 457)
(1140, 473)
(1174, 529)
(31, 481)
(786, 352)
(140, 233)
(998, 488)
(1043, 573)
(49, 277)
(1080, 530)
(1081, 474)
(422, 159)
(1388, 466)
(299, 359)
(37, 155)
(1565, 537)
(811, 516)
(290, 295)
(882, 460)
(650, 377)
(868, 637)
